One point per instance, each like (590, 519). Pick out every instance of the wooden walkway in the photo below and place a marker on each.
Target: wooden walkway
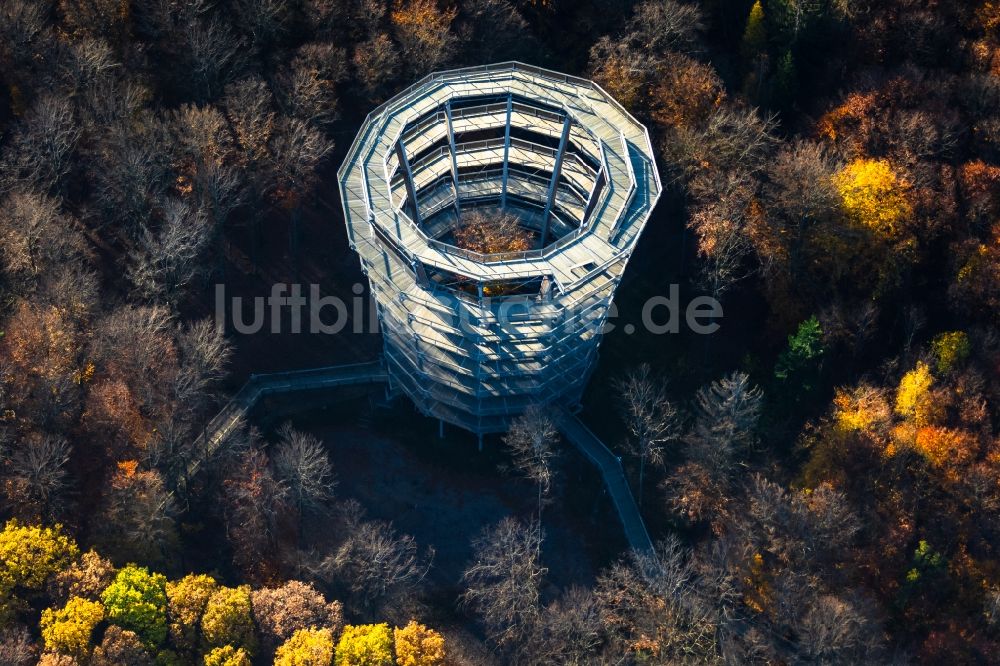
(614, 479)
(374, 372)
(260, 386)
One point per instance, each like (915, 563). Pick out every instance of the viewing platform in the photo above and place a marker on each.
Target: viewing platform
(474, 338)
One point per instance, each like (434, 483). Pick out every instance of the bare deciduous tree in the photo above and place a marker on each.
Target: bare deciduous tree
(802, 530)
(377, 64)
(40, 155)
(838, 630)
(130, 172)
(93, 17)
(110, 101)
(208, 156)
(296, 151)
(137, 519)
(651, 419)
(660, 26)
(250, 109)
(493, 31)
(309, 85)
(87, 63)
(694, 494)
(720, 225)
(301, 462)
(222, 189)
(800, 183)
(265, 21)
(503, 582)
(725, 423)
(423, 31)
(170, 259)
(72, 288)
(205, 352)
(16, 647)
(136, 343)
(23, 24)
(211, 55)
(384, 571)
(256, 503)
(201, 134)
(570, 630)
(801, 202)
(661, 607)
(37, 475)
(35, 237)
(731, 141)
(530, 439)
(628, 64)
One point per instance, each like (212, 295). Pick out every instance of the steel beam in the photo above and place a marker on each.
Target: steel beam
(599, 182)
(506, 151)
(556, 171)
(408, 178)
(454, 155)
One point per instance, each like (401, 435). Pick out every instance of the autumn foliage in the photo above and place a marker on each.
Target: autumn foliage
(873, 195)
(492, 233)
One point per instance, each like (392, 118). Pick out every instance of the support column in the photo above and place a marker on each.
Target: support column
(408, 178)
(506, 151)
(454, 155)
(556, 170)
(592, 198)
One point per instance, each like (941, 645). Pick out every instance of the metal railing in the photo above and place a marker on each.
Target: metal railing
(469, 74)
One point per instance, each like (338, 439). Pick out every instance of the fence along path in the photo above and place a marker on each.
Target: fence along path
(374, 372)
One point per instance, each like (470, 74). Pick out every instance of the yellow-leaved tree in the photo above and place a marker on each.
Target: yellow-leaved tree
(227, 655)
(416, 645)
(306, 647)
(950, 349)
(873, 195)
(28, 557)
(186, 602)
(913, 397)
(365, 645)
(67, 630)
(227, 619)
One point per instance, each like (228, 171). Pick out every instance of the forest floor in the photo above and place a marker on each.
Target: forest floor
(444, 492)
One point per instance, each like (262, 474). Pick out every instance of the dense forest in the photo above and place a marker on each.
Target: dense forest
(822, 477)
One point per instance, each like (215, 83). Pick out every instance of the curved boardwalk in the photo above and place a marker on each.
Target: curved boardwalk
(259, 386)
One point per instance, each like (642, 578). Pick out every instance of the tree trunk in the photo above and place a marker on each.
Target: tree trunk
(642, 471)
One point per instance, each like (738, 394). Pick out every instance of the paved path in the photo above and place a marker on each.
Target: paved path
(374, 372)
(614, 478)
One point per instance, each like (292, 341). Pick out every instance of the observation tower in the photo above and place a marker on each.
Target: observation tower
(494, 209)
